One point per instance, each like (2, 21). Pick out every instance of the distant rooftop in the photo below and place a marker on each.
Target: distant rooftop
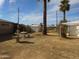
(72, 23)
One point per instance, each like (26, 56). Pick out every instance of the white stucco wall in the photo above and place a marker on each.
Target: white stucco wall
(73, 31)
(35, 27)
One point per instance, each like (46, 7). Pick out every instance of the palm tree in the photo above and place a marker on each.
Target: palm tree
(45, 17)
(64, 6)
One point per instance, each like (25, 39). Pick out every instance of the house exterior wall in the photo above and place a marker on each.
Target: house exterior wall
(77, 30)
(35, 27)
(5, 27)
(73, 31)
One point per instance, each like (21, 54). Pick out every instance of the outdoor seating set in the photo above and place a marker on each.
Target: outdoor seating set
(23, 35)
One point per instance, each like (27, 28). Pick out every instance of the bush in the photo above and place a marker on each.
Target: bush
(29, 29)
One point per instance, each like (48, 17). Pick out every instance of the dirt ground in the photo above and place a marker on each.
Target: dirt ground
(40, 47)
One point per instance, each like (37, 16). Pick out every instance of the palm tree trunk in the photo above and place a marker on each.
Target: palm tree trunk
(45, 17)
(64, 15)
(64, 26)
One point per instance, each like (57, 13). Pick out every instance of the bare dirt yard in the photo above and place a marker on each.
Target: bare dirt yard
(40, 47)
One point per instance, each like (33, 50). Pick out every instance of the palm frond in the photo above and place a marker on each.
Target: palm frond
(65, 6)
(48, 0)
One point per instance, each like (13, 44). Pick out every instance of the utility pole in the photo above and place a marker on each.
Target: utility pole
(18, 27)
(18, 18)
(45, 17)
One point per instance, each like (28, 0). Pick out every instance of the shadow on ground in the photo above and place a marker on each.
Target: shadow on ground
(26, 42)
(52, 35)
(5, 37)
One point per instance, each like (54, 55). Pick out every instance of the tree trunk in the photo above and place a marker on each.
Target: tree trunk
(45, 17)
(64, 15)
(64, 27)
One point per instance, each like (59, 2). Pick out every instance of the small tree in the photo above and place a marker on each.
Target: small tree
(29, 29)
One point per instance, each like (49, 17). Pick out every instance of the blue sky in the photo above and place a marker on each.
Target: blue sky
(31, 11)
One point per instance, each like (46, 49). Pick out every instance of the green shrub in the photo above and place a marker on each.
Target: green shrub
(29, 29)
